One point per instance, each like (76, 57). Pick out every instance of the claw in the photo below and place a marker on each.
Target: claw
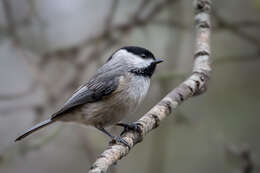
(114, 138)
(131, 126)
(120, 140)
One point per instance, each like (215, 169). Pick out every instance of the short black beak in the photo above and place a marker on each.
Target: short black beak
(158, 60)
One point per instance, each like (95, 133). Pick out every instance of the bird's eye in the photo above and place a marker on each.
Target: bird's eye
(143, 55)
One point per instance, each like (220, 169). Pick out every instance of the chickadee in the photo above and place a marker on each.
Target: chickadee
(116, 89)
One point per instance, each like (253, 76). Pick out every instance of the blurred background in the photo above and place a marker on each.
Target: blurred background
(50, 47)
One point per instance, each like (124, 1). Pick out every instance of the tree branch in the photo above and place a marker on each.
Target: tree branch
(196, 84)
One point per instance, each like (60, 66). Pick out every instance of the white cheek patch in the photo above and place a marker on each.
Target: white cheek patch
(133, 59)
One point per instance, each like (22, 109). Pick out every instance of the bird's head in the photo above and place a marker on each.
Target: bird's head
(137, 60)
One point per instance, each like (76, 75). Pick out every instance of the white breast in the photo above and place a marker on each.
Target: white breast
(138, 88)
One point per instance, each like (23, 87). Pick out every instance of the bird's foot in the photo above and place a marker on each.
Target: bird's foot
(120, 140)
(131, 126)
(114, 138)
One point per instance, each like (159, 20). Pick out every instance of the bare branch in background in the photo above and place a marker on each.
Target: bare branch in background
(101, 43)
(196, 84)
(111, 15)
(98, 45)
(244, 154)
(11, 25)
(106, 39)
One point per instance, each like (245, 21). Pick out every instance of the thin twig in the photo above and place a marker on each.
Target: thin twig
(196, 84)
(11, 26)
(111, 14)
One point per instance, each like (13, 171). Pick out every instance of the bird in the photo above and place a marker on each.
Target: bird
(113, 92)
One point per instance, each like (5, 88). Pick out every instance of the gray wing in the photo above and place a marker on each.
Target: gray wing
(95, 90)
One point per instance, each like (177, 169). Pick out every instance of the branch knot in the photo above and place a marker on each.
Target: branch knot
(202, 5)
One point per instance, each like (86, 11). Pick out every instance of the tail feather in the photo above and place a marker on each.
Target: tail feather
(35, 128)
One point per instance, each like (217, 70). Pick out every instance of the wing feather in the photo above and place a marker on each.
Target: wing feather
(95, 90)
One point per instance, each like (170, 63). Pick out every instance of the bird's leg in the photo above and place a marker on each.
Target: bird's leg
(130, 126)
(114, 138)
